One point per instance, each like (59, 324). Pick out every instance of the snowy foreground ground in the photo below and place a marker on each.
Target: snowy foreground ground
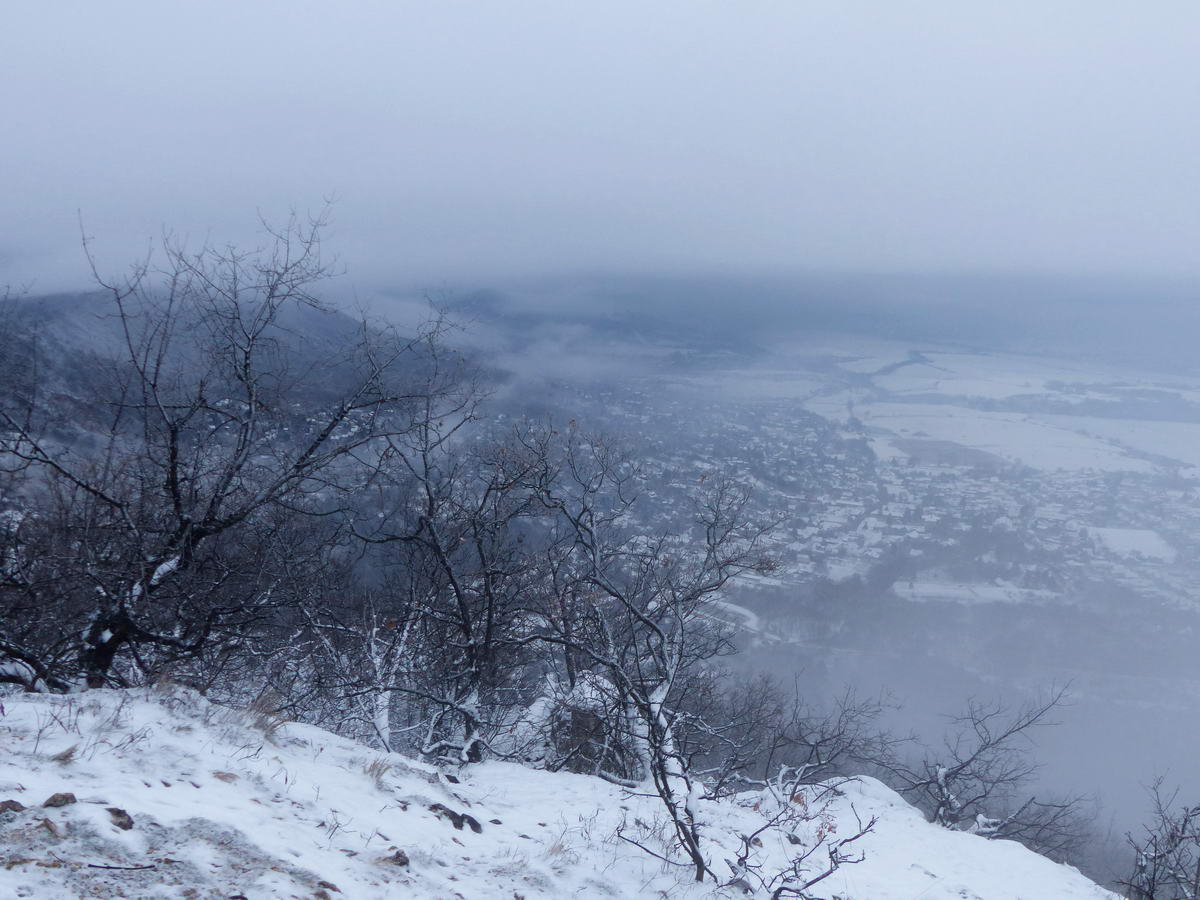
(179, 798)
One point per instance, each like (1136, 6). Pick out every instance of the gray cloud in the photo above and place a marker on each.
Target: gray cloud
(466, 139)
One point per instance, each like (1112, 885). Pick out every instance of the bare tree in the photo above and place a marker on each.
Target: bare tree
(761, 737)
(214, 427)
(634, 610)
(452, 517)
(974, 781)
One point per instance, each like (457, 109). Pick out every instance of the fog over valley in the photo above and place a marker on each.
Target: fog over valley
(539, 450)
(963, 514)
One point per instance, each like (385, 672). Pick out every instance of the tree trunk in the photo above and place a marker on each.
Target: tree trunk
(109, 631)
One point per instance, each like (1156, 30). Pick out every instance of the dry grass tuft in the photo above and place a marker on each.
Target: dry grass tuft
(264, 714)
(377, 769)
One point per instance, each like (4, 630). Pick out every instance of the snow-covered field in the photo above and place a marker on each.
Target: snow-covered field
(174, 797)
(1015, 437)
(1141, 542)
(987, 375)
(929, 590)
(903, 392)
(1174, 440)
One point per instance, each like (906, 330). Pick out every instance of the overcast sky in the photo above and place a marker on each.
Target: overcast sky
(467, 139)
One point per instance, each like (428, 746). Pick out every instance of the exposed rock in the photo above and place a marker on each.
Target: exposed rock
(120, 818)
(399, 858)
(57, 800)
(54, 830)
(11, 806)
(456, 819)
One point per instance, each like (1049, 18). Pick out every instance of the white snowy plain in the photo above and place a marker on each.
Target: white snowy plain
(223, 805)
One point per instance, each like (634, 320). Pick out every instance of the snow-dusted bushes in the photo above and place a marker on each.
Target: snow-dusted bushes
(1167, 852)
(976, 781)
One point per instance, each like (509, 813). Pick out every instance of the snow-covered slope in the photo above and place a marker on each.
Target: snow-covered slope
(177, 797)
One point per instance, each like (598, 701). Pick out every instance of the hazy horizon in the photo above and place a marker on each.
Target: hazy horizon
(473, 142)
